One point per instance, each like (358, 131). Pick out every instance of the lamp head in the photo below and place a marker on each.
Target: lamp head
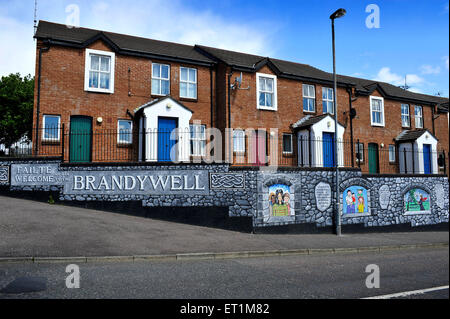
(338, 14)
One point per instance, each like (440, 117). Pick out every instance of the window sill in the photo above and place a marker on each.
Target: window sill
(124, 145)
(158, 96)
(376, 125)
(261, 108)
(90, 90)
(309, 112)
(188, 99)
(49, 142)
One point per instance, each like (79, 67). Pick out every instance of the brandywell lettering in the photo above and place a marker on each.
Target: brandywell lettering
(137, 183)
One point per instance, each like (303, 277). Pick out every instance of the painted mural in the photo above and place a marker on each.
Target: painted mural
(416, 201)
(355, 200)
(280, 201)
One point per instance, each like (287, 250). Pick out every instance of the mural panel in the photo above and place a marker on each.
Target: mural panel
(280, 201)
(355, 200)
(416, 201)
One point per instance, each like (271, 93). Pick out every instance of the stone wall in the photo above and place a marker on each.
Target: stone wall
(245, 191)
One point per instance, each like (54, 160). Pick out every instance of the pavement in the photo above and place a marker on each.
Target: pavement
(36, 231)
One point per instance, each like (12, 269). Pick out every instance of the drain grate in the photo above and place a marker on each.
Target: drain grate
(25, 285)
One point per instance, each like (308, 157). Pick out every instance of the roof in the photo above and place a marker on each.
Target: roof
(203, 55)
(412, 135)
(309, 121)
(82, 37)
(151, 103)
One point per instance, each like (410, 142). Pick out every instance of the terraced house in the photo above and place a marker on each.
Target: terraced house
(107, 97)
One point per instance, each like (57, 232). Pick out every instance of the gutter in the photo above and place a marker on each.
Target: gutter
(38, 100)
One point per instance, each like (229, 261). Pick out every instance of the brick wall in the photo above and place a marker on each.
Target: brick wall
(62, 90)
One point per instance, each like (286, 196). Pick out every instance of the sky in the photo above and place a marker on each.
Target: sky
(411, 39)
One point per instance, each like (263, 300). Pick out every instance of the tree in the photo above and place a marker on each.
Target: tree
(16, 108)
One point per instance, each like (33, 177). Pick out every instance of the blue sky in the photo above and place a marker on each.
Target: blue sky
(412, 41)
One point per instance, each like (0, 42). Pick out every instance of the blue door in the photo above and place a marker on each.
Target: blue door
(427, 158)
(165, 144)
(328, 150)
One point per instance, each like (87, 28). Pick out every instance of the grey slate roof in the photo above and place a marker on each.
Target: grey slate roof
(59, 32)
(207, 55)
(412, 135)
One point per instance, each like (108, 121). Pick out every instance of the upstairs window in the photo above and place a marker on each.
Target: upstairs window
(125, 132)
(418, 116)
(160, 79)
(309, 98)
(267, 91)
(377, 111)
(328, 100)
(405, 115)
(51, 128)
(188, 83)
(198, 140)
(99, 71)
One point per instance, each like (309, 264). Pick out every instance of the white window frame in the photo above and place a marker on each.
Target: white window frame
(241, 141)
(160, 79)
(119, 141)
(418, 117)
(292, 143)
(328, 100)
(311, 97)
(391, 160)
(87, 69)
(197, 140)
(188, 82)
(404, 115)
(372, 98)
(44, 117)
(274, 106)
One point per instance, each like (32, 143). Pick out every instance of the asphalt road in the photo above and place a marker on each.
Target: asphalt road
(29, 228)
(313, 276)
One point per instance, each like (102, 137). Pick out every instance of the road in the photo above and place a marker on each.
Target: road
(313, 276)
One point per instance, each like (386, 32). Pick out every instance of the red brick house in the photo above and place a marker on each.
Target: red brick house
(119, 97)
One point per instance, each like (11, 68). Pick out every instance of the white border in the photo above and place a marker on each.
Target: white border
(87, 63)
(275, 95)
(382, 106)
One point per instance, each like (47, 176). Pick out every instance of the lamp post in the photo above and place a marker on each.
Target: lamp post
(336, 15)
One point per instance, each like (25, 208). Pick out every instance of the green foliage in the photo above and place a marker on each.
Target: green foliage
(16, 107)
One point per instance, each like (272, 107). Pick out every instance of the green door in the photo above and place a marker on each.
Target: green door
(373, 158)
(80, 139)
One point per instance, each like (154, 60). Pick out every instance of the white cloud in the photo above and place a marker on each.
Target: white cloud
(445, 58)
(158, 19)
(385, 75)
(429, 69)
(17, 55)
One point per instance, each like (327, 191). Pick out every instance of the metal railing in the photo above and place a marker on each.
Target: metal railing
(259, 148)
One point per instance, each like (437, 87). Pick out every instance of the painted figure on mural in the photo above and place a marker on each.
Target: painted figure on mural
(272, 201)
(286, 201)
(361, 204)
(350, 202)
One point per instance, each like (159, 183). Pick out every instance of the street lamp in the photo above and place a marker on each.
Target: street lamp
(336, 15)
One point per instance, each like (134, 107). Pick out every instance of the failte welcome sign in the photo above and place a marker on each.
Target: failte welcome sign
(117, 182)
